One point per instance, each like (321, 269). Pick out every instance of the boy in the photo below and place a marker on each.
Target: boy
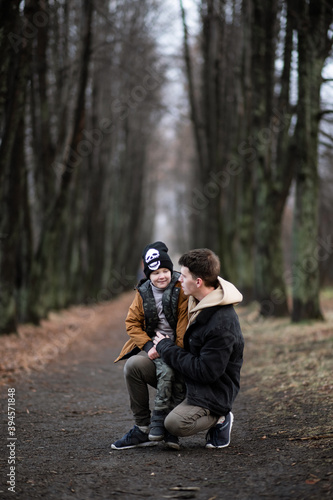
(159, 306)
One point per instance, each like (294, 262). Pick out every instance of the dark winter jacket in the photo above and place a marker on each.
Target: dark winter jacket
(213, 351)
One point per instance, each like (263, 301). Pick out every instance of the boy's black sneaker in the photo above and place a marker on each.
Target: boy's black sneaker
(219, 435)
(171, 441)
(134, 438)
(157, 430)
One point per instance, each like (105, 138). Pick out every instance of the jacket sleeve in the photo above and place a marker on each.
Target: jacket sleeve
(206, 367)
(135, 323)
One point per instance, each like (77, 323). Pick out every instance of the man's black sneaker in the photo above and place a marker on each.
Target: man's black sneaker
(134, 438)
(157, 430)
(171, 441)
(219, 435)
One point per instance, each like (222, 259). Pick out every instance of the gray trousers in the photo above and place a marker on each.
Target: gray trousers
(183, 420)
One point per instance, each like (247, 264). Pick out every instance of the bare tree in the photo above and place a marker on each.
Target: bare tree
(314, 44)
(15, 51)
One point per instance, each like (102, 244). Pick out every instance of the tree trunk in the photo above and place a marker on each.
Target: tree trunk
(14, 86)
(198, 201)
(23, 250)
(242, 252)
(211, 192)
(314, 45)
(269, 199)
(41, 115)
(48, 276)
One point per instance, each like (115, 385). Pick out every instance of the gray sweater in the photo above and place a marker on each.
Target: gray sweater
(163, 325)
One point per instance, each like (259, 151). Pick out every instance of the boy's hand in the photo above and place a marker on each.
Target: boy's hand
(152, 353)
(159, 337)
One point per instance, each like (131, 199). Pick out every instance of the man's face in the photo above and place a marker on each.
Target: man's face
(189, 284)
(160, 278)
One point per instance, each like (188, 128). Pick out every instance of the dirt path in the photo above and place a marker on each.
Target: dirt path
(69, 412)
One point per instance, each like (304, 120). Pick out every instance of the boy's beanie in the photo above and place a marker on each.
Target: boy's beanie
(155, 256)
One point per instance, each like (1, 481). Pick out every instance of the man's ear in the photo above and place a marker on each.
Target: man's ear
(199, 282)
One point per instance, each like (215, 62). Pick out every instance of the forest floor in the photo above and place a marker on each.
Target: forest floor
(71, 404)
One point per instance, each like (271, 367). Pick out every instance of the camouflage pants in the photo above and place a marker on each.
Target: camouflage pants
(170, 390)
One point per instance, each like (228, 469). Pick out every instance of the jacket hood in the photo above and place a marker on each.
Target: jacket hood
(224, 295)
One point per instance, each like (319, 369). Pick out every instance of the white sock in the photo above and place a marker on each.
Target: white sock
(144, 428)
(221, 420)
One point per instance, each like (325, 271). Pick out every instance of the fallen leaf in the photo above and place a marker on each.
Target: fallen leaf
(312, 480)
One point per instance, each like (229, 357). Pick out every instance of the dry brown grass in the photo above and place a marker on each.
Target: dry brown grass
(34, 346)
(289, 367)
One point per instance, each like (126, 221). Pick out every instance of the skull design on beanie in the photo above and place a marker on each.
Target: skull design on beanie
(155, 255)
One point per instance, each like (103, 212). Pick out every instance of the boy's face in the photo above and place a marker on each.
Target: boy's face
(160, 278)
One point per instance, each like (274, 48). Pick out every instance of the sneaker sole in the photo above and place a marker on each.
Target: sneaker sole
(173, 446)
(208, 445)
(211, 446)
(141, 445)
(151, 437)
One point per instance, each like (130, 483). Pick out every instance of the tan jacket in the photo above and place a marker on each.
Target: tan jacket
(135, 324)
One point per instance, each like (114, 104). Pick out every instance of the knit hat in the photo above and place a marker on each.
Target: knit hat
(155, 256)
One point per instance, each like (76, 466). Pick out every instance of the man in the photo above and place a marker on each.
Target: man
(211, 359)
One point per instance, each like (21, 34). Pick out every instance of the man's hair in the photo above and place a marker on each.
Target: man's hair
(202, 263)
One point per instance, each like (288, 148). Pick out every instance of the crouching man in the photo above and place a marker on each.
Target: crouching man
(211, 360)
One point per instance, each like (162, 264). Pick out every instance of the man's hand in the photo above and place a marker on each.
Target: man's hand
(159, 337)
(152, 353)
